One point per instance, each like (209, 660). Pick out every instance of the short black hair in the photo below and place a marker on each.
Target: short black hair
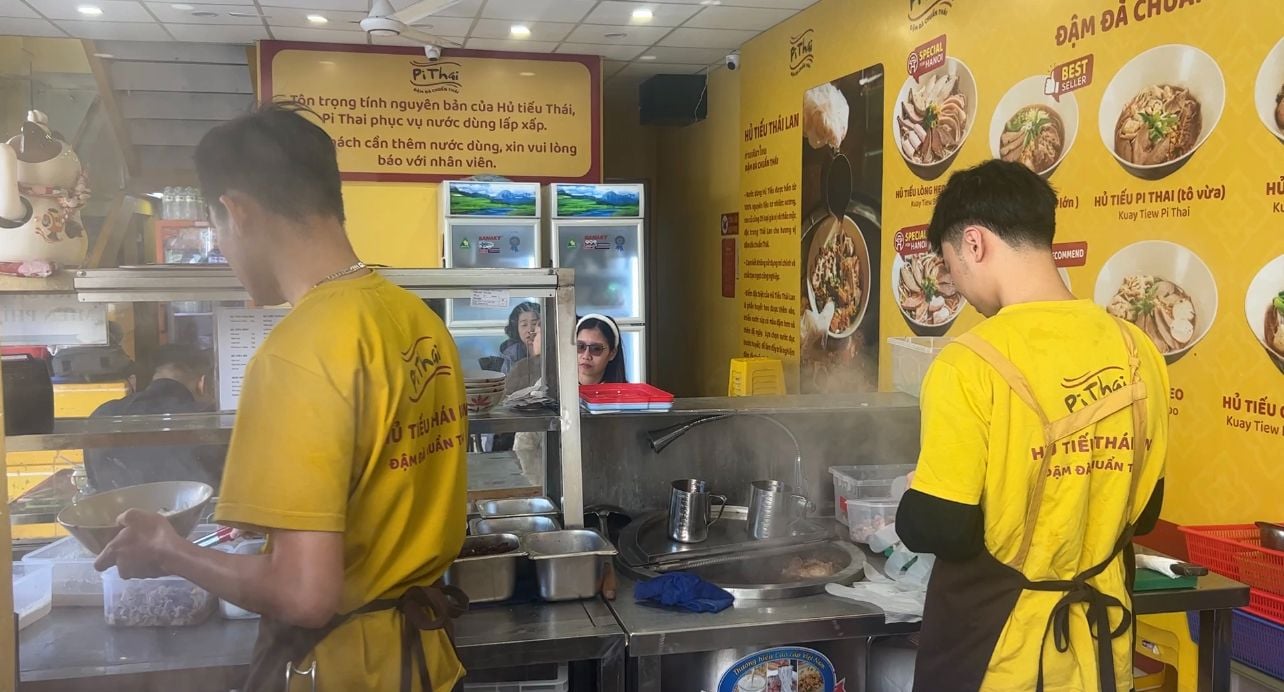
(516, 315)
(1006, 197)
(276, 155)
(188, 360)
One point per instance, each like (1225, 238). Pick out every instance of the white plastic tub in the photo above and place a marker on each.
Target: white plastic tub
(32, 596)
(873, 481)
(866, 517)
(163, 602)
(911, 357)
(559, 684)
(231, 611)
(75, 581)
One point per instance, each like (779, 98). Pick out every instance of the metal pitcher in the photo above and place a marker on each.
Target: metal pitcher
(774, 508)
(689, 509)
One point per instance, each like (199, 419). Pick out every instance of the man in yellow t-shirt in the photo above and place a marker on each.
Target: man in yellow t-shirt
(349, 446)
(1044, 431)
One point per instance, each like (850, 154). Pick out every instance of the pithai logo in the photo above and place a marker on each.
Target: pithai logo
(801, 52)
(923, 11)
(435, 77)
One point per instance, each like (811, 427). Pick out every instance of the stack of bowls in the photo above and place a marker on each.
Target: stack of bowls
(484, 389)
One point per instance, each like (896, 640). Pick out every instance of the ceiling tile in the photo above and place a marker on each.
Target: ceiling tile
(540, 31)
(739, 18)
(621, 13)
(687, 56)
(466, 8)
(707, 38)
(510, 45)
(243, 3)
(15, 8)
(773, 4)
(445, 26)
(117, 31)
(321, 5)
(650, 68)
(319, 35)
(339, 20)
(166, 13)
(624, 53)
(610, 67)
(399, 41)
(113, 10)
(217, 34)
(633, 35)
(31, 27)
(538, 10)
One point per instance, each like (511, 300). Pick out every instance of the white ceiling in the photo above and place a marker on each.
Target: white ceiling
(683, 36)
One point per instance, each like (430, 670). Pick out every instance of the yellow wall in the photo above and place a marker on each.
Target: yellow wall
(396, 224)
(697, 330)
(1215, 474)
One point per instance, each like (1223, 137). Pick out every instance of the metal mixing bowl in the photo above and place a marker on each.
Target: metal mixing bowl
(93, 520)
(1272, 535)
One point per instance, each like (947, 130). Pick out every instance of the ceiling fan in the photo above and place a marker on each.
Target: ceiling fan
(385, 20)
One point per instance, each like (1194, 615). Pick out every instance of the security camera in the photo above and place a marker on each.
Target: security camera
(733, 60)
(433, 53)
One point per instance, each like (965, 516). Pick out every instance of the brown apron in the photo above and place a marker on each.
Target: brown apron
(280, 647)
(969, 602)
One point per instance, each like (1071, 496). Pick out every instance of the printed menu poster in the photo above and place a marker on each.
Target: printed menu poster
(239, 332)
(1160, 124)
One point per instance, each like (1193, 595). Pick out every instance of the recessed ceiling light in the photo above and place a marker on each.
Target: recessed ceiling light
(90, 10)
(519, 31)
(204, 13)
(710, 2)
(642, 15)
(182, 7)
(105, 56)
(616, 34)
(317, 19)
(647, 57)
(526, 74)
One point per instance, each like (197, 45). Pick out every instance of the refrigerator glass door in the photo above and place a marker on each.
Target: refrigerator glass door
(634, 339)
(607, 259)
(490, 245)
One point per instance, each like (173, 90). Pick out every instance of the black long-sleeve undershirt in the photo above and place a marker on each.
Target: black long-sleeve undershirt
(956, 531)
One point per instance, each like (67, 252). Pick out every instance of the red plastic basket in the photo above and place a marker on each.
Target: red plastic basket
(1267, 605)
(1216, 547)
(1262, 569)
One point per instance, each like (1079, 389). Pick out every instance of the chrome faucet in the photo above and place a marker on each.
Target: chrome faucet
(659, 439)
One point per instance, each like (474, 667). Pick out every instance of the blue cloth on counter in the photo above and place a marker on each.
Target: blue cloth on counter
(684, 591)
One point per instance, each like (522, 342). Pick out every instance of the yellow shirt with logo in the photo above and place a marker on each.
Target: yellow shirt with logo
(352, 419)
(982, 445)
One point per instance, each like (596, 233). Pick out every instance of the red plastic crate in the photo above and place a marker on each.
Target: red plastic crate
(623, 393)
(1262, 569)
(1216, 547)
(1267, 605)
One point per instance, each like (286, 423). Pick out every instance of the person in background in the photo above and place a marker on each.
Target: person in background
(350, 443)
(599, 349)
(523, 326)
(1044, 431)
(181, 383)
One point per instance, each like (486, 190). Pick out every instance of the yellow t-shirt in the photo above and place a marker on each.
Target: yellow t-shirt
(352, 419)
(982, 445)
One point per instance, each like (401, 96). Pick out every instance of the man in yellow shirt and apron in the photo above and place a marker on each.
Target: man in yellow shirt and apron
(349, 448)
(1044, 431)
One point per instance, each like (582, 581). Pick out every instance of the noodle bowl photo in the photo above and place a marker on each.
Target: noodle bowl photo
(1160, 107)
(838, 274)
(1264, 309)
(925, 293)
(1164, 289)
(1268, 91)
(933, 116)
(1032, 128)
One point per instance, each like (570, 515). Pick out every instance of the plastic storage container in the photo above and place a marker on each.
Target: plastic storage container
(866, 517)
(32, 596)
(1255, 642)
(606, 398)
(164, 602)
(864, 482)
(1219, 548)
(75, 581)
(253, 546)
(560, 684)
(911, 357)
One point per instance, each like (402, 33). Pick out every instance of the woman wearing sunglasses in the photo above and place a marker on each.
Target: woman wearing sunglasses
(599, 351)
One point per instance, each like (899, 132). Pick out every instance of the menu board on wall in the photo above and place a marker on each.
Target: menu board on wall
(1160, 123)
(239, 332)
(396, 116)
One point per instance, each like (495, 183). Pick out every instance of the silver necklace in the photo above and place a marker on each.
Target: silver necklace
(342, 273)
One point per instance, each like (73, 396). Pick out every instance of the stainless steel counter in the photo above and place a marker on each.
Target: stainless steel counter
(73, 644)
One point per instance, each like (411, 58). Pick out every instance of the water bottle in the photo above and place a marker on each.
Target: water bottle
(167, 203)
(188, 204)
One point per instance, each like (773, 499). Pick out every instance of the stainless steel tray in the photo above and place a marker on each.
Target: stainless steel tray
(646, 542)
(759, 575)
